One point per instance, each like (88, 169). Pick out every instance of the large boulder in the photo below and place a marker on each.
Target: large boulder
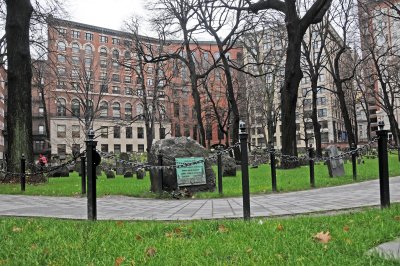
(228, 165)
(171, 149)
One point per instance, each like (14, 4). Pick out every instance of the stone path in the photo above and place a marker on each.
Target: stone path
(126, 208)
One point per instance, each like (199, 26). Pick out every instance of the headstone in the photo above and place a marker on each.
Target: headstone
(359, 160)
(335, 166)
(228, 165)
(128, 174)
(180, 147)
(110, 174)
(60, 172)
(140, 173)
(120, 171)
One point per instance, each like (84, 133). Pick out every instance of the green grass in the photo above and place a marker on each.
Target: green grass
(39, 241)
(260, 182)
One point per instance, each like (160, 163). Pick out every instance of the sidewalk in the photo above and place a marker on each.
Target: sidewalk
(126, 208)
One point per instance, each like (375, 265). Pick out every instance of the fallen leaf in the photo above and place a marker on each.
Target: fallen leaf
(346, 228)
(279, 227)
(323, 237)
(120, 223)
(249, 250)
(178, 231)
(397, 218)
(138, 237)
(348, 241)
(260, 222)
(33, 246)
(151, 251)
(169, 235)
(16, 229)
(222, 228)
(118, 261)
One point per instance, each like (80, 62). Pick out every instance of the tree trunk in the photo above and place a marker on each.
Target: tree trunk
(314, 118)
(293, 76)
(19, 113)
(345, 113)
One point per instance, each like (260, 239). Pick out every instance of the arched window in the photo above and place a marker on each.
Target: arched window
(103, 51)
(61, 104)
(128, 111)
(103, 109)
(162, 112)
(61, 46)
(90, 108)
(75, 48)
(116, 110)
(75, 108)
(127, 55)
(139, 111)
(115, 54)
(88, 49)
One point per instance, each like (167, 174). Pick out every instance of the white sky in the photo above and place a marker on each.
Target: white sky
(104, 13)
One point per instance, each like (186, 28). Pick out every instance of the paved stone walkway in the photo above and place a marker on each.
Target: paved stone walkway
(126, 208)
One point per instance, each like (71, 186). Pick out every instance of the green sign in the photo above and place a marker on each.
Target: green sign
(192, 174)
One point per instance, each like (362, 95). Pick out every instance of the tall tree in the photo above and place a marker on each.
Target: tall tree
(19, 112)
(296, 27)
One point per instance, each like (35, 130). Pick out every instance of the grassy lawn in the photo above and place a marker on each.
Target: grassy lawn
(260, 181)
(283, 241)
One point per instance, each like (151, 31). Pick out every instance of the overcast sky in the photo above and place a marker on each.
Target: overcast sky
(104, 13)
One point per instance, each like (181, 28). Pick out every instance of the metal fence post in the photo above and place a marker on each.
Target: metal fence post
(311, 155)
(160, 173)
(220, 189)
(245, 170)
(23, 176)
(91, 175)
(83, 174)
(383, 165)
(273, 167)
(354, 160)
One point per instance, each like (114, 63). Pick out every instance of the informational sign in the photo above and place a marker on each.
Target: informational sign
(192, 174)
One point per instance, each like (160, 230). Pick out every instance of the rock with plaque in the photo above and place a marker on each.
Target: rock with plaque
(181, 152)
(335, 165)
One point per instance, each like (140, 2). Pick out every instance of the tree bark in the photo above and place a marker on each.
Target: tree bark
(314, 117)
(19, 113)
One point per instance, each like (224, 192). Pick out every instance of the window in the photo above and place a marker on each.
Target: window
(75, 131)
(41, 109)
(128, 131)
(61, 71)
(116, 90)
(140, 147)
(88, 49)
(117, 132)
(103, 109)
(321, 100)
(115, 54)
(177, 130)
(41, 129)
(88, 62)
(61, 131)
(149, 82)
(61, 46)
(128, 91)
(61, 58)
(61, 149)
(61, 107)
(104, 132)
(89, 36)
(75, 60)
(75, 108)
(162, 133)
(115, 77)
(127, 79)
(103, 39)
(103, 51)
(129, 148)
(104, 147)
(127, 55)
(103, 75)
(140, 132)
(321, 77)
(75, 48)
(76, 34)
(75, 73)
(103, 88)
(139, 92)
(128, 111)
(176, 109)
(116, 110)
(322, 112)
(38, 145)
(117, 148)
(115, 40)
(127, 43)
(103, 63)
(139, 111)
(115, 64)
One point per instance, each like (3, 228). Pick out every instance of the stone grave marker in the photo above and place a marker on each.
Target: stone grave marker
(335, 166)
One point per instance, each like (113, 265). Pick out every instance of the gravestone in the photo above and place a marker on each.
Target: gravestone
(110, 174)
(171, 149)
(335, 166)
(228, 165)
(140, 173)
(128, 174)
